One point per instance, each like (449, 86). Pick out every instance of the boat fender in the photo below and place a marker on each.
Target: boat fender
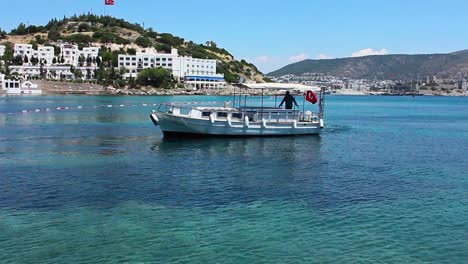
(321, 123)
(295, 124)
(212, 118)
(246, 121)
(263, 123)
(155, 119)
(229, 121)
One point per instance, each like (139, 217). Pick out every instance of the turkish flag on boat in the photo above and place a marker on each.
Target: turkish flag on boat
(311, 97)
(109, 2)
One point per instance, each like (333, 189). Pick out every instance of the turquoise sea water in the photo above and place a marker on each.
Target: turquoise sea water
(386, 182)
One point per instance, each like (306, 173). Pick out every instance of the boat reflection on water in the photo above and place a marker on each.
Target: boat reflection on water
(215, 171)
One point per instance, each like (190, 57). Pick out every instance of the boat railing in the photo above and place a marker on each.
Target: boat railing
(255, 114)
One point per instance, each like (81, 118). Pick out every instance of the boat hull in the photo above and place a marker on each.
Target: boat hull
(176, 126)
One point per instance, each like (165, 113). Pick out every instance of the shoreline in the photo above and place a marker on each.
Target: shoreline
(70, 88)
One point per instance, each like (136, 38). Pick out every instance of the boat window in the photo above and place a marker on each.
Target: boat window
(222, 114)
(237, 115)
(206, 114)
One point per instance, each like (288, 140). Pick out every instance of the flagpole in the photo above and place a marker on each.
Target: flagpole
(303, 104)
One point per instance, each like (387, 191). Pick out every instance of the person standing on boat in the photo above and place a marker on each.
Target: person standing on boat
(288, 100)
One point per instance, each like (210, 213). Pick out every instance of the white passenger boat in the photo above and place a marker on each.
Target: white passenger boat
(235, 118)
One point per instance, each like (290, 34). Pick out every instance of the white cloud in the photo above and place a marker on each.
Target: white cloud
(369, 51)
(324, 57)
(263, 59)
(298, 57)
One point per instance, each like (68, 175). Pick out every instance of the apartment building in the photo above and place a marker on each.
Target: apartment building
(198, 73)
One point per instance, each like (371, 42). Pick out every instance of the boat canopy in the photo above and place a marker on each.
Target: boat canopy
(281, 86)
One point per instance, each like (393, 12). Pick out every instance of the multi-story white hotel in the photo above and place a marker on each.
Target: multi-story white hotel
(2, 50)
(59, 70)
(147, 59)
(71, 53)
(198, 73)
(45, 54)
(23, 50)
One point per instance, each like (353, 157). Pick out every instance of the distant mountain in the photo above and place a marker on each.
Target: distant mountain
(448, 65)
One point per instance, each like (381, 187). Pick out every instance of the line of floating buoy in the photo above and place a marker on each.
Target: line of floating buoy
(79, 107)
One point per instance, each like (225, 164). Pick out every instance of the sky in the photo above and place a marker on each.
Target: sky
(274, 33)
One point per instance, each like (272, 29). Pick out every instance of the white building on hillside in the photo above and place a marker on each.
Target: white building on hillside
(91, 52)
(55, 72)
(147, 59)
(2, 50)
(22, 50)
(44, 54)
(71, 53)
(198, 73)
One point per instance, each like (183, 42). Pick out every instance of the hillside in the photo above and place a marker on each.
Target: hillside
(120, 36)
(385, 66)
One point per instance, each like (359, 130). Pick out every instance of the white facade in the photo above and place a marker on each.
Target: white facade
(198, 73)
(23, 50)
(148, 59)
(2, 80)
(91, 52)
(2, 50)
(45, 54)
(71, 54)
(18, 87)
(55, 72)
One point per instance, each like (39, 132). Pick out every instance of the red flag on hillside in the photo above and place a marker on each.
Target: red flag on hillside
(109, 2)
(311, 97)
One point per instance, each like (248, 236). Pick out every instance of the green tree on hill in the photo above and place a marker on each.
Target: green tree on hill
(3, 34)
(20, 30)
(156, 77)
(9, 51)
(83, 27)
(54, 35)
(17, 60)
(143, 42)
(131, 51)
(78, 74)
(89, 61)
(81, 60)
